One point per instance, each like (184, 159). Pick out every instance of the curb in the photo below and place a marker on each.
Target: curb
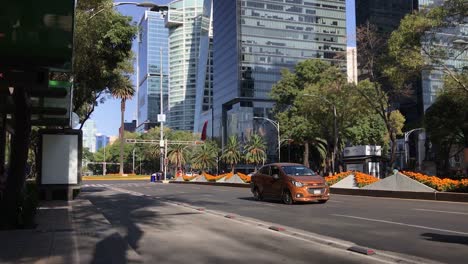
(241, 185)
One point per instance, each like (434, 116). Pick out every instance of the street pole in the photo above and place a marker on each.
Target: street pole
(104, 169)
(277, 126)
(133, 165)
(407, 134)
(335, 132)
(161, 136)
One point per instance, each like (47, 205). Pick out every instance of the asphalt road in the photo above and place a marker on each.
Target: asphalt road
(427, 229)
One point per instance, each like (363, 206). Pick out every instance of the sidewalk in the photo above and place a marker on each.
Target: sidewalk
(66, 232)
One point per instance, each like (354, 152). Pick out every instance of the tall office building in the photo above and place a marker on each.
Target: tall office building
(152, 38)
(254, 40)
(204, 87)
(101, 141)
(89, 135)
(184, 21)
(457, 59)
(384, 14)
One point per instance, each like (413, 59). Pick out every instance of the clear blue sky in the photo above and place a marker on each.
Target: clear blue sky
(107, 115)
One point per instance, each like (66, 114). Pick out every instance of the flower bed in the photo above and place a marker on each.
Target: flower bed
(363, 179)
(213, 178)
(443, 185)
(244, 177)
(337, 177)
(188, 178)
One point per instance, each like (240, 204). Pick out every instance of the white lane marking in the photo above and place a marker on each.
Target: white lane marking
(335, 201)
(447, 212)
(402, 224)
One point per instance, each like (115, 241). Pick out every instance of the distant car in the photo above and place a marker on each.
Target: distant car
(290, 182)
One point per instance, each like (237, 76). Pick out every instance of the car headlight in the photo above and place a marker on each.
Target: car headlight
(297, 184)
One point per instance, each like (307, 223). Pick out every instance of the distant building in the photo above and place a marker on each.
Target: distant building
(101, 141)
(188, 22)
(253, 41)
(152, 41)
(130, 126)
(384, 14)
(113, 139)
(89, 135)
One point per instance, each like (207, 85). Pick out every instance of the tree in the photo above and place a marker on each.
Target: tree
(377, 99)
(255, 150)
(294, 123)
(425, 40)
(178, 154)
(102, 46)
(446, 122)
(124, 93)
(204, 156)
(232, 152)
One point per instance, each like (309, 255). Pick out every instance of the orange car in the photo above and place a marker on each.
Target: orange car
(291, 182)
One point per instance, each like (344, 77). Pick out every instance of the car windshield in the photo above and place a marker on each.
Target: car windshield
(298, 171)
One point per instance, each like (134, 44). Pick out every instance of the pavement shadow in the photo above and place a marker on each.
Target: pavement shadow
(463, 240)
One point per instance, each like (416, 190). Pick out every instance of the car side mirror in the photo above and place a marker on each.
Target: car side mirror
(275, 177)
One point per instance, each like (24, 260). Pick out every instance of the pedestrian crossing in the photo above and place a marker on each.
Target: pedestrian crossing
(107, 185)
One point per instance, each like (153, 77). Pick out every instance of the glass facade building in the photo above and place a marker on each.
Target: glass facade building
(101, 141)
(185, 20)
(152, 38)
(89, 135)
(253, 41)
(384, 14)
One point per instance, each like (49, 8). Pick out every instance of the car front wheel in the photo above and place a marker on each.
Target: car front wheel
(286, 197)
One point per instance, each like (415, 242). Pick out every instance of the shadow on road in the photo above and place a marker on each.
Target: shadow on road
(446, 238)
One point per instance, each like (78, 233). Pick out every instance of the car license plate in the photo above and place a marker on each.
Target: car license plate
(317, 191)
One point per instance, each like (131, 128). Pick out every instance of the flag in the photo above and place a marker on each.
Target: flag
(203, 134)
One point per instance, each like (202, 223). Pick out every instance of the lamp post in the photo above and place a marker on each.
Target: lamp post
(407, 134)
(277, 126)
(335, 129)
(133, 164)
(104, 169)
(143, 4)
(161, 116)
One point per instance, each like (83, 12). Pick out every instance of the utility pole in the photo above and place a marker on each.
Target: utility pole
(161, 117)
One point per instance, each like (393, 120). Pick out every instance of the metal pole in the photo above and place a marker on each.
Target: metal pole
(279, 142)
(104, 169)
(161, 137)
(336, 139)
(133, 165)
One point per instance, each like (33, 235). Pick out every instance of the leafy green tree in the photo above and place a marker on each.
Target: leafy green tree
(294, 122)
(255, 150)
(446, 122)
(102, 47)
(205, 155)
(232, 152)
(414, 46)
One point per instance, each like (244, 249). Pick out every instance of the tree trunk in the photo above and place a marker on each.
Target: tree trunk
(122, 112)
(306, 154)
(12, 202)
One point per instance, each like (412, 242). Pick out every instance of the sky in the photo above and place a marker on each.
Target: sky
(107, 115)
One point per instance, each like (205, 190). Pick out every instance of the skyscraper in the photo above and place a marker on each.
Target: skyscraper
(384, 14)
(152, 37)
(185, 21)
(89, 135)
(254, 40)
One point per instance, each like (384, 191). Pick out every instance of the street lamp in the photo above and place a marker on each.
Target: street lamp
(143, 4)
(335, 130)
(407, 134)
(277, 126)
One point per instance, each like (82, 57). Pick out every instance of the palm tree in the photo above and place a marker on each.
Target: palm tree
(177, 154)
(255, 150)
(232, 152)
(123, 92)
(205, 156)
